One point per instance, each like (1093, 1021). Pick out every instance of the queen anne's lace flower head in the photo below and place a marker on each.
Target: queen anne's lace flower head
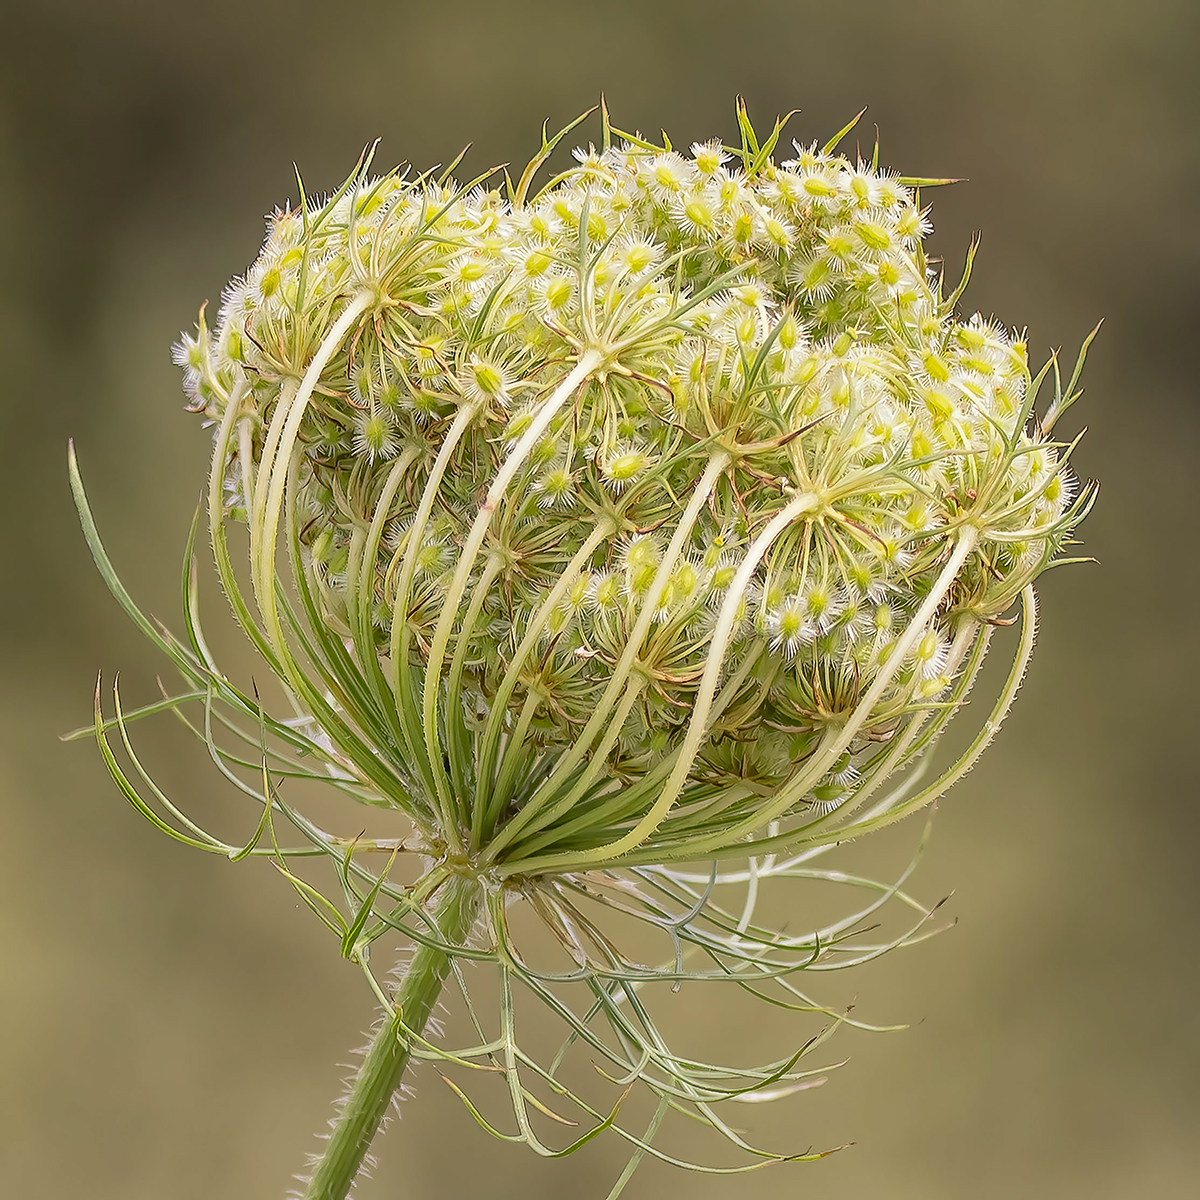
(658, 354)
(661, 516)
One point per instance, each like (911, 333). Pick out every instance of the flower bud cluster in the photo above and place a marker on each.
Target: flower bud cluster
(738, 340)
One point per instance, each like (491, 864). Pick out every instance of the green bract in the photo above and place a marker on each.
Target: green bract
(659, 517)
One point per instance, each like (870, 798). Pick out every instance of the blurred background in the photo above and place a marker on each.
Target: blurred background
(171, 1024)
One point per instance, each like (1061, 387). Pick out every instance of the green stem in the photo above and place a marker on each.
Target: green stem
(382, 1069)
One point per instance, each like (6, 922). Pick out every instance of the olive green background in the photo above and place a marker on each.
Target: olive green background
(171, 1024)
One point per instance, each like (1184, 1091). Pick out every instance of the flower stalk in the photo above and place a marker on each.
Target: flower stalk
(373, 1091)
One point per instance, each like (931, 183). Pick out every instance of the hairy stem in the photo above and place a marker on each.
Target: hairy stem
(388, 1057)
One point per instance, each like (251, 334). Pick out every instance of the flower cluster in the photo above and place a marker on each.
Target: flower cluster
(678, 433)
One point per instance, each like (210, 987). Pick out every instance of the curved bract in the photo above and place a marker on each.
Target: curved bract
(661, 517)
